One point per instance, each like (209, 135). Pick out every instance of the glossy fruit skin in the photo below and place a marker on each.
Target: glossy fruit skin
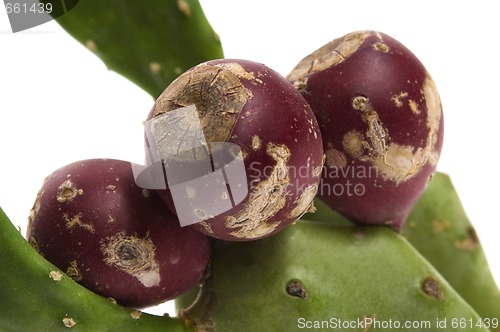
(93, 222)
(259, 111)
(381, 121)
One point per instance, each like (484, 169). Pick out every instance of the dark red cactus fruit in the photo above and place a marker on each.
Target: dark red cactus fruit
(381, 121)
(93, 222)
(246, 112)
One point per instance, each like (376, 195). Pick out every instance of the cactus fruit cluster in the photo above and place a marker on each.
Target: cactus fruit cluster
(266, 203)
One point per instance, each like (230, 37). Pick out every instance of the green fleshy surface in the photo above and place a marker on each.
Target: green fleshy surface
(440, 230)
(348, 273)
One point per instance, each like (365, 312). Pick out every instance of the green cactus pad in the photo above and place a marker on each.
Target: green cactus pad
(36, 296)
(149, 42)
(440, 230)
(326, 277)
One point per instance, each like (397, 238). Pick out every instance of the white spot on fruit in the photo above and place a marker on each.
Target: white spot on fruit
(76, 220)
(174, 257)
(256, 142)
(265, 200)
(397, 99)
(317, 171)
(413, 107)
(433, 104)
(149, 278)
(206, 226)
(111, 187)
(304, 202)
(353, 143)
(336, 158)
(395, 162)
(133, 255)
(381, 47)
(67, 191)
(399, 162)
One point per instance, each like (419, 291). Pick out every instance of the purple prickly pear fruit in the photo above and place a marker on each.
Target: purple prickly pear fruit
(246, 109)
(92, 221)
(381, 121)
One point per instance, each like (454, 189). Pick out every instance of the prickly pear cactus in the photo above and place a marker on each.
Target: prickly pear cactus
(440, 230)
(311, 275)
(314, 275)
(36, 296)
(149, 42)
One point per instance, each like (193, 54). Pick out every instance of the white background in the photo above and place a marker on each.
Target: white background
(59, 103)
